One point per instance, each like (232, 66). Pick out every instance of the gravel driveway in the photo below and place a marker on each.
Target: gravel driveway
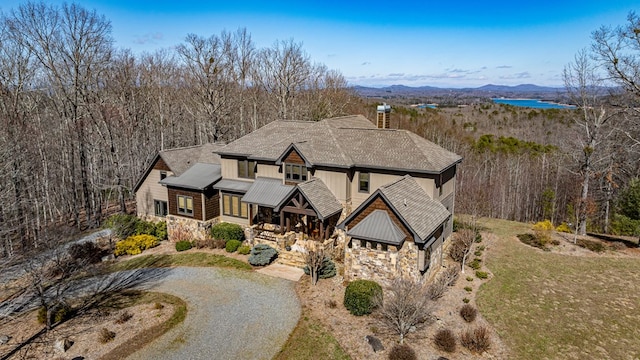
(231, 315)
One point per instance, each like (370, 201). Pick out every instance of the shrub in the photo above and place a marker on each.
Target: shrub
(203, 243)
(244, 250)
(545, 225)
(227, 231)
(402, 352)
(477, 340)
(219, 244)
(469, 278)
(42, 315)
(331, 304)
(359, 296)
(62, 313)
(122, 225)
(158, 306)
(136, 244)
(564, 228)
(623, 225)
(468, 288)
(475, 264)
(183, 245)
(145, 227)
(327, 269)
(105, 335)
(232, 245)
(539, 240)
(478, 252)
(482, 274)
(595, 246)
(439, 286)
(262, 255)
(466, 300)
(478, 237)
(124, 317)
(445, 340)
(468, 312)
(161, 230)
(86, 252)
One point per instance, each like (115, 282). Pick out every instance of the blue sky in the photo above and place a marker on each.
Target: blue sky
(374, 43)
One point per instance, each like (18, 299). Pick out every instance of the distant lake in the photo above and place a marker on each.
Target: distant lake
(532, 103)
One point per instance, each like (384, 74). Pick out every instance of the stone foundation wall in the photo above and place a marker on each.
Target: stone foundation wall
(151, 218)
(197, 229)
(362, 261)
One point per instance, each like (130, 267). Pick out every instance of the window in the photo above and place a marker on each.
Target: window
(163, 175)
(232, 206)
(424, 258)
(363, 182)
(294, 172)
(185, 205)
(160, 207)
(246, 169)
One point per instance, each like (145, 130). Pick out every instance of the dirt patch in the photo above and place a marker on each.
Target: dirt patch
(83, 331)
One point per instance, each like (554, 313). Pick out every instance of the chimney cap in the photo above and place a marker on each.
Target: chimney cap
(384, 107)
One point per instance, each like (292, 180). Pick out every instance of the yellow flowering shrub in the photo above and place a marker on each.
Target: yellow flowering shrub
(136, 244)
(564, 228)
(543, 225)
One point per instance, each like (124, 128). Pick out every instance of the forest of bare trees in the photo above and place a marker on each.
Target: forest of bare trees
(81, 119)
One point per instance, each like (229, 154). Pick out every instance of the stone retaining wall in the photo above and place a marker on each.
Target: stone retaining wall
(194, 229)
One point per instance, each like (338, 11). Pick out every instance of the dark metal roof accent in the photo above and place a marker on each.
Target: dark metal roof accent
(378, 227)
(268, 192)
(197, 177)
(238, 186)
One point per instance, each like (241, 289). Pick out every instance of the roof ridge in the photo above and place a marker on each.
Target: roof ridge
(404, 177)
(187, 147)
(344, 155)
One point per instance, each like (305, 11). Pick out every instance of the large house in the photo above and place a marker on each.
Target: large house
(385, 196)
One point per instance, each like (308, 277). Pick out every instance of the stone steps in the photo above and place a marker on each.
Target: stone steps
(291, 259)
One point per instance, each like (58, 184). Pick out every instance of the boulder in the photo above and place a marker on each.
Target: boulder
(375, 343)
(62, 345)
(4, 339)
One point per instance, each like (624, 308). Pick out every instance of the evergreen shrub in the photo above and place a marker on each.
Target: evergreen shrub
(183, 245)
(232, 245)
(327, 269)
(244, 250)
(227, 231)
(359, 296)
(262, 255)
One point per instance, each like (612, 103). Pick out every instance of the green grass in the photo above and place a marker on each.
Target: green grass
(547, 305)
(185, 259)
(310, 340)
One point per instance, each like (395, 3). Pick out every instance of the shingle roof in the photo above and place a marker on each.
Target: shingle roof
(320, 197)
(267, 192)
(421, 213)
(378, 226)
(197, 177)
(351, 141)
(181, 159)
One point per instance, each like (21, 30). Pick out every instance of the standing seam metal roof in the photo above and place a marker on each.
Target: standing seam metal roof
(267, 192)
(378, 226)
(197, 177)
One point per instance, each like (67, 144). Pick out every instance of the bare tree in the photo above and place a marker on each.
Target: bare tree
(314, 258)
(405, 307)
(584, 86)
(461, 246)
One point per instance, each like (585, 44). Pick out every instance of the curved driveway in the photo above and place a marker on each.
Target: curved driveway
(231, 315)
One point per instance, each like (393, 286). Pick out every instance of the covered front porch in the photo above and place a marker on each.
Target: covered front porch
(309, 210)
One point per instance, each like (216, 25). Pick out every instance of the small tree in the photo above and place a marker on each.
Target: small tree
(461, 247)
(405, 306)
(314, 259)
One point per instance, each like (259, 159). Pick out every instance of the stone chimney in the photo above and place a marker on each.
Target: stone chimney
(384, 116)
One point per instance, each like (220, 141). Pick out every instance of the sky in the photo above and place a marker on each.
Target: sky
(465, 43)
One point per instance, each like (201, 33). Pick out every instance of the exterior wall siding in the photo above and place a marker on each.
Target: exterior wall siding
(335, 181)
(150, 190)
(197, 203)
(270, 171)
(229, 168)
(294, 158)
(211, 204)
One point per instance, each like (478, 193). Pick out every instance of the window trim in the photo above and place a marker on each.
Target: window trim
(368, 182)
(185, 210)
(248, 167)
(231, 202)
(165, 208)
(289, 172)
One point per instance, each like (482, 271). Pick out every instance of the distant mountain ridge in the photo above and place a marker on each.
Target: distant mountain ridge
(489, 90)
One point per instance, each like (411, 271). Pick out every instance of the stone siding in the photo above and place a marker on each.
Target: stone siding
(198, 230)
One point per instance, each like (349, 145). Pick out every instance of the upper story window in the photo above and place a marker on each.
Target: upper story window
(163, 175)
(246, 169)
(295, 172)
(185, 205)
(363, 182)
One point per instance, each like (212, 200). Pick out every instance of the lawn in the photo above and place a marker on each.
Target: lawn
(197, 259)
(547, 305)
(310, 340)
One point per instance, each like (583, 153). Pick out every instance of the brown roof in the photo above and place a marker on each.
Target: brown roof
(350, 141)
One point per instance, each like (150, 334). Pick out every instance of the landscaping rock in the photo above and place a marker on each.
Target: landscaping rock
(4, 339)
(62, 345)
(375, 343)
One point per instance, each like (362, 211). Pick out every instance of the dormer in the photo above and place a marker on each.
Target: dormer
(294, 165)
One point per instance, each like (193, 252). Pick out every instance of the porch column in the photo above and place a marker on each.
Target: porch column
(322, 234)
(282, 220)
